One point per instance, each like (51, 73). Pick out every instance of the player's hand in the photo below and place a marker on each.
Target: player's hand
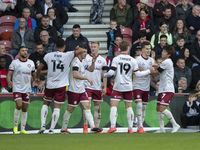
(147, 30)
(191, 28)
(141, 69)
(104, 92)
(94, 58)
(37, 81)
(155, 66)
(90, 81)
(152, 69)
(10, 83)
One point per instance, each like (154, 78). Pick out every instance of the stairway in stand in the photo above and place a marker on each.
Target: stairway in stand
(95, 32)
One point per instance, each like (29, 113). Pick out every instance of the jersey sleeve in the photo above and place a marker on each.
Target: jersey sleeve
(71, 54)
(12, 66)
(114, 64)
(33, 67)
(135, 65)
(163, 65)
(104, 65)
(75, 64)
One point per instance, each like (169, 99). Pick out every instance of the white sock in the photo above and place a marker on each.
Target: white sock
(89, 118)
(23, 120)
(55, 117)
(160, 120)
(16, 117)
(130, 117)
(44, 113)
(113, 116)
(169, 116)
(143, 112)
(97, 115)
(84, 118)
(66, 118)
(139, 114)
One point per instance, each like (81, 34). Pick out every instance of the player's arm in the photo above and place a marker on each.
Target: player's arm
(78, 51)
(110, 73)
(37, 78)
(44, 72)
(91, 68)
(144, 73)
(8, 78)
(76, 75)
(104, 83)
(157, 71)
(33, 75)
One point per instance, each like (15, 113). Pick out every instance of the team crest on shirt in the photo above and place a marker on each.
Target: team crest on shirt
(138, 96)
(29, 65)
(150, 63)
(75, 102)
(99, 61)
(16, 95)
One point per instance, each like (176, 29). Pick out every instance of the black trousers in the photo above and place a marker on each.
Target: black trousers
(189, 121)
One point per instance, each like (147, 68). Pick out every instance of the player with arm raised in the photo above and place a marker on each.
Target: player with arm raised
(57, 79)
(76, 90)
(166, 89)
(21, 71)
(141, 85)
(122, 66)
(95, 91)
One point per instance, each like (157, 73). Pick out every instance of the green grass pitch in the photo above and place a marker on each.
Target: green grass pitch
(116, 141)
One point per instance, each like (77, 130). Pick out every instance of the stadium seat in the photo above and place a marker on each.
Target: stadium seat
(7, 20)
(6, 32)
(170, 1)
(150, 4)
(138, 41)
(10, 55)
(127, 34)
(7, 45)
(17, 56)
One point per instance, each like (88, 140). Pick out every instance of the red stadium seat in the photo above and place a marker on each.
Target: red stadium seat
(127, 34)
(138, 41)
(6, 32)
(150, 4)
(7, 20)
(7, 45)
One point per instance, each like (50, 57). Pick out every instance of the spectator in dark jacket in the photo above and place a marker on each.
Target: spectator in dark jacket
(45, 25)
(31, 5)
(159, 8)
(3, 53)
(76, 39)
(143, 24)
(122, 13)
(193, 20)
(61, 14)
(183, 10)
(159, 48)
(168, 19)
(191, 111)
(195, 76)
(132, 3)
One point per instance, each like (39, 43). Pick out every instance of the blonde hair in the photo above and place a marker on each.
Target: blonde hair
(95, 42)
(198, 83)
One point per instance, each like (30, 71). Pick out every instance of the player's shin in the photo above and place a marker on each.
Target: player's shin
(169, 116)
(44, 113)
(16, 117)
(97, 115)
(66, 118)
(89, 118)
(160, 120)
(143, 112)
(130, 117)
(55, 117)
(23, 120)
(113, 116)
(139, 113)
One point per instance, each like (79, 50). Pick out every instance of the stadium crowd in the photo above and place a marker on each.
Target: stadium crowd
(38, 30)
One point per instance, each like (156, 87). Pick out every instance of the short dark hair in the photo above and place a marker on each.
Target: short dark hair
(50, 9)
(162, 23)
(60, 43)
(21, 48)
(144, 44)
(76, 26)
(193, 94)
(83, 46)
(45, 16)
(144, 10)
(167, 7)
(124, 45)
(180, 37)
(38, 43)
(170, 50)
(3, 57)
(163, 36)
(118, 35)
(141, 35)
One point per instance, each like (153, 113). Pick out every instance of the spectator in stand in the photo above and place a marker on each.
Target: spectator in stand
(195, 76)
(159, 48)
(69, 6)
(54, 21)
(195, 50)
(196, 2)
(181, 29)
(96, 11)
(117, 40)
(45, 25)
(31, 5)
(111, 33)
(30, 22)
(22, 36)
(183, 10)
(188, 59)
(7, 7)
(3, 73)
(122, 13)
(191, 111)
(142, 5)
(182, 71)
(155, 39)
(155, 78)
(182, 86)
(76, 39)
(109, 88)
(159, 9)
(193, 20)
(132, 3)
(143, 24)
(61, 14)
(37, 57)
(3, 53)
(168, 19)
(197, 89)
(135, 47)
